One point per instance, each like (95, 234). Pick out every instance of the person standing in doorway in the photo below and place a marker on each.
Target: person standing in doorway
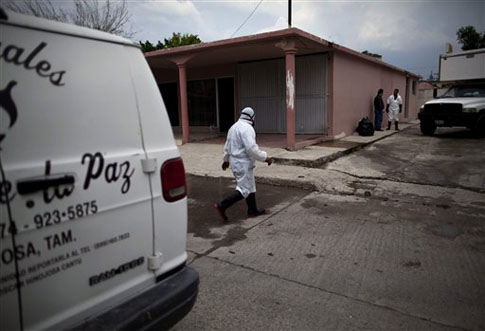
(393, 109)
(241, 153)
(378, 109)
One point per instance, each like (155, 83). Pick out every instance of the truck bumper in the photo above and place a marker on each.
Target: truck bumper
(464, 119)
(158, 308)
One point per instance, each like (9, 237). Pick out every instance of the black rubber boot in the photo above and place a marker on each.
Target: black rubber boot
(227, 202)
(388, 125)
(396, 125)
(253, 210)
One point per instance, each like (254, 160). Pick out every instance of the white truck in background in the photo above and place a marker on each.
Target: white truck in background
(463, 104)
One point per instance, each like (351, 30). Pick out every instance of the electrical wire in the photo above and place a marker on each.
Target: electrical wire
(247, 18)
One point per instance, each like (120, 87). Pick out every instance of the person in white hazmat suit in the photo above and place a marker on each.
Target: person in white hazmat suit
(241, 153)
(393, 109)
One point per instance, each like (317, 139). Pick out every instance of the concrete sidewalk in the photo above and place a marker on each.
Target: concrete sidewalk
(306, 169)
(204, 159)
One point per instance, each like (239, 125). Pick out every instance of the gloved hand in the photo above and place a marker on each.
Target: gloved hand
(269, 160)
(225, 165)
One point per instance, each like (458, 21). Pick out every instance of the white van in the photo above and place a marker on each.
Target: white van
(93, 207)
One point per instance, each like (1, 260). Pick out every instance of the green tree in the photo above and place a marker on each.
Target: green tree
(179, 39)
(159, 45)
(147, 46)
(176, 40)
(470, 38)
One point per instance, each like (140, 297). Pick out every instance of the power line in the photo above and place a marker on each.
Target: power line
(259, 3)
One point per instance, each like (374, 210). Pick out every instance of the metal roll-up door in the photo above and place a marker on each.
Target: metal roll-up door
(262, 87)
(311, 94)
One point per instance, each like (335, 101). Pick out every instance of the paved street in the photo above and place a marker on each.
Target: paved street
(398, 244)
(452, 158)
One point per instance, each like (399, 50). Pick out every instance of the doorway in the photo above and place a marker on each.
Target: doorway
(169, 93)
(225, 99)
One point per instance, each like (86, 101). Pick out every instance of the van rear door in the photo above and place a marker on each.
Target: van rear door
(170, 202)
(71, 152)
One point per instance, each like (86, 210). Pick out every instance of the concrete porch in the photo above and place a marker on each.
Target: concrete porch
(266, 140)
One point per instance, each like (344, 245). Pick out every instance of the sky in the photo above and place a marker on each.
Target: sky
(409, 34)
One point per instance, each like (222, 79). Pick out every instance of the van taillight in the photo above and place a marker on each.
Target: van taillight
(173, 180)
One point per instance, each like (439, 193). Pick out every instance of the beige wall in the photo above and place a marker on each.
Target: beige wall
(352, 86)
(355, 84)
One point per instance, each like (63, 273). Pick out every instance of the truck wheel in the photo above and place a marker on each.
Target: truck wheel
(478, 130)
(427, 128)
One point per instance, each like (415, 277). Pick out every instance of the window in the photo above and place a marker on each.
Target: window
(202, 102)
(414, 87)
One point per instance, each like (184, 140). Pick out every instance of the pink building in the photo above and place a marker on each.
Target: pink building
(297, 83)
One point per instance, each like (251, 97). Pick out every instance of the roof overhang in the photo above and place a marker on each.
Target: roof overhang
(268, 45)
(261, 46)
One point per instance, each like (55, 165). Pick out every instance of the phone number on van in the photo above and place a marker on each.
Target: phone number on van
(56, 216)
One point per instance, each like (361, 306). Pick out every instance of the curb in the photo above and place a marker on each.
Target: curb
(279, 182)
(318, 163)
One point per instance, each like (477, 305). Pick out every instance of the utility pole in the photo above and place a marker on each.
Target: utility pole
(289, 13)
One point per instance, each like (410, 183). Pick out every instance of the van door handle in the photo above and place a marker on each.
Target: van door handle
(37, 184)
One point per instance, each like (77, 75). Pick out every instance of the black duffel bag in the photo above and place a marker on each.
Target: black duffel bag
(365, 127)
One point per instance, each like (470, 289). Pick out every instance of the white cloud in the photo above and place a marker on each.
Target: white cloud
(156, 20)
(177, 8)
(407, 33)
(281, 23)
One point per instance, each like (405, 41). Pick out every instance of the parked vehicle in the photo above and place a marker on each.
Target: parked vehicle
(461, 105)
(464, 102)
(93, 207)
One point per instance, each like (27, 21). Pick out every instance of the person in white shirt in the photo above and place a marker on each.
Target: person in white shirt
(241, 153)
(393, 109)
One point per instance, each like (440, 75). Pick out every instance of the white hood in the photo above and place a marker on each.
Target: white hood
(466, 102)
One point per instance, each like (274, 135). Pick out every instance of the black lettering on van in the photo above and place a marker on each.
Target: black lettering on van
(108, 274)
(8, 105)
(42, 68)
(91, 163)
(13, 53)
(113, 172)
(6, 194)
(126, 176)
(59, 239)
(20, 252)
(56, 77)
(110, 174)
(55, 192)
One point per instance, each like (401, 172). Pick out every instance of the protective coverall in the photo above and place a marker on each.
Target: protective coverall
(241, 153)
(394, 108)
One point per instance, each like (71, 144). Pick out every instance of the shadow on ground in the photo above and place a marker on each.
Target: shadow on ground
(204, 192)
(451, 133)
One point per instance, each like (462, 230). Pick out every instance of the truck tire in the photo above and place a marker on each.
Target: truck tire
(478, 130)
(427, 128)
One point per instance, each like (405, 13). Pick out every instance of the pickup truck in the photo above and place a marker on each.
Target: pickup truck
(461, 105)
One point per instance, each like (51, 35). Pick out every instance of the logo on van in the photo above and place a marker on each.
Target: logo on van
(7, 105)
(14, 54)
